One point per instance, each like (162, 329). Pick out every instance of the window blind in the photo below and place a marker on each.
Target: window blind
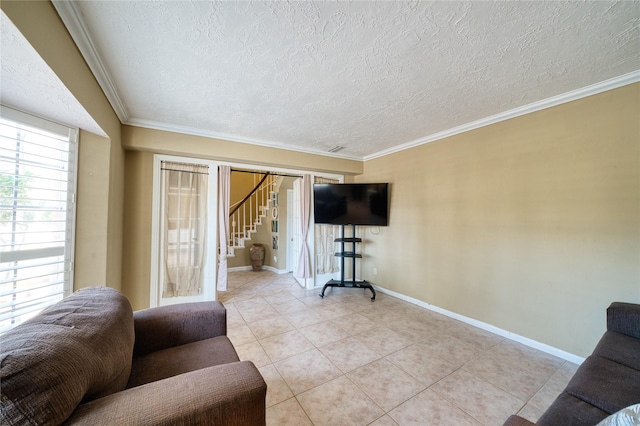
(37, 214)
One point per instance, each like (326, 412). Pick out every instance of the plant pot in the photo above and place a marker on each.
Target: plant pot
(256, 252)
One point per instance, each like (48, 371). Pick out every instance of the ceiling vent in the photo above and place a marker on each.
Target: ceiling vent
(336, 148)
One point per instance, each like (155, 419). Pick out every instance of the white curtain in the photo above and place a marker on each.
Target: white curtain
(326, 261)
(303, 269)
(325, 235)
(224, 179)
(185, 228)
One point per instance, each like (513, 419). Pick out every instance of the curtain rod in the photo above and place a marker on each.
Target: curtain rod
(184, 164)
(184, 171)
(261, 173)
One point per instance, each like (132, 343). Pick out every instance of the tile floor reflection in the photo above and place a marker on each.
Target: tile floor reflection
(344, 360)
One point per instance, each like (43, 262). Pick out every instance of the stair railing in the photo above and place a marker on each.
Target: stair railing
(246, 214)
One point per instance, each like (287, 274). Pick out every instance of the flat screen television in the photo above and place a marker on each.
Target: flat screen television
(351, 203)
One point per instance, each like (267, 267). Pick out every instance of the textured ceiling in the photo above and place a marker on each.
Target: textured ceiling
(368, 76)
(28, 84)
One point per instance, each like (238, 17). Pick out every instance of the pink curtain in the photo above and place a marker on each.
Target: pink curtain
(224, 184)
(304, 265)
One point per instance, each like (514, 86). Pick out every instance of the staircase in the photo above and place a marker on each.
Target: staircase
(247, 214)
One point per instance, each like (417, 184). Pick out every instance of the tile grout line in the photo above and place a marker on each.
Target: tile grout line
(286, 293)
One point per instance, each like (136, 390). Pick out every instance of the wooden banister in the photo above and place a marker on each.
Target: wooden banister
(235, 209)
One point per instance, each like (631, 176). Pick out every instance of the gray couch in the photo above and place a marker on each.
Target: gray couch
(607, 381)
(90, 360)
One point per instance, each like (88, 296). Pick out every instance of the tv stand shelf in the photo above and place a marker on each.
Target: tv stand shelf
(348, 240)
(348, 253)
(353, 283)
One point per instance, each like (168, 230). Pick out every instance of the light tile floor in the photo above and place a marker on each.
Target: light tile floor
(344, 360)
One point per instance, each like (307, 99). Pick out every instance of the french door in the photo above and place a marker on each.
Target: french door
(184, 224)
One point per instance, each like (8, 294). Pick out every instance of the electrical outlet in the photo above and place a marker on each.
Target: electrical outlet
(275, 258)
(375, 271)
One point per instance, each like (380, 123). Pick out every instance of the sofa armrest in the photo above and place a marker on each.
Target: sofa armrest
(624, 318)
(173, 325)
(517, 421)
(229, 394)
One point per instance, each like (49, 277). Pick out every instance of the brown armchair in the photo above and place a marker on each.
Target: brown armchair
(81, 366)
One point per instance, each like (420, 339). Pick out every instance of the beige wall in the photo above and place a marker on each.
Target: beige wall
(91, 224)
(136, 264)
(241, 184)
(531, 225)
(98, 260)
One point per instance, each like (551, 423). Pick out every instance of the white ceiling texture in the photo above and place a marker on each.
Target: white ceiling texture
(364, 77)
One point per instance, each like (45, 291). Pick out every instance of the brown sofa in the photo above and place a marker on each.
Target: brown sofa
(607, 381)
(90, 360)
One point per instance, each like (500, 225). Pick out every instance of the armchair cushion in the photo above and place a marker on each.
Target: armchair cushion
(76, 350)
(181, 359)
(229, 394)
(173, 325)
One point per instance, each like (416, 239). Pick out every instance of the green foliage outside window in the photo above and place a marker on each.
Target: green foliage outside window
(8, 193)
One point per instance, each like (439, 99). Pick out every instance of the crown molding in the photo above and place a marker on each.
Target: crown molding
(175, 128)
(72, 19)
(594, 89)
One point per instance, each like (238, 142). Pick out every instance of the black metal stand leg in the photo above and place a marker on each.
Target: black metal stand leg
(323, 289)
(353, 283)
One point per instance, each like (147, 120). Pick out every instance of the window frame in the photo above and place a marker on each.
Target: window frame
(72, 137)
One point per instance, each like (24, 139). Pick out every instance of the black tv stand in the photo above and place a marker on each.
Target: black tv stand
(342, 254)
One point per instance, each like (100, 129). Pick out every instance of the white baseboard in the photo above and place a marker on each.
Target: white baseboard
(264, 267)
(274, 270)
(239, 268)
(488, 327)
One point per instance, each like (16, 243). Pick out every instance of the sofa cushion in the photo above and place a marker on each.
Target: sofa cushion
(181, 359)
(620, 348)
(76, 350)
(624, 318)
(567, 410)
(606, 384)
